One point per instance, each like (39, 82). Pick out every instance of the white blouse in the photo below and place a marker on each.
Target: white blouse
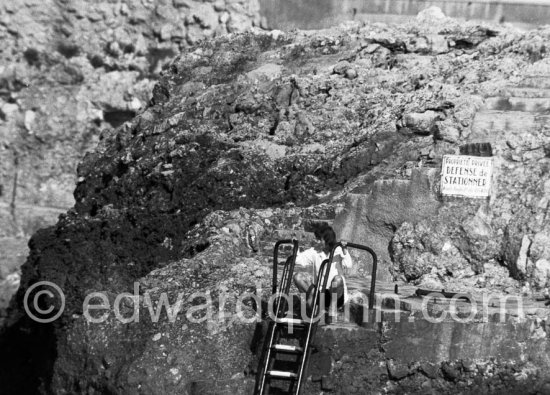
(312, 257)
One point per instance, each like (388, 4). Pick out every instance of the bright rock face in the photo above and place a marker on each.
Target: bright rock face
(250, 136)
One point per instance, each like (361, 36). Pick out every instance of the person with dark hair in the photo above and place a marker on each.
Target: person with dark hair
(314, 257)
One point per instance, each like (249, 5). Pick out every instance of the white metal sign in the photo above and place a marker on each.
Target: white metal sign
(468, 176)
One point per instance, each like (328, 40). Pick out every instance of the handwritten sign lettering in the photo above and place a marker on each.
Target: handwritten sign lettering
(468, 176)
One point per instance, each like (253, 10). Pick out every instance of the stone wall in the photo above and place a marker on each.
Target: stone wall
(318, 14)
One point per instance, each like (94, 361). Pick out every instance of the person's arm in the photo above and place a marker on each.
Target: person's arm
(342, 260)
(346, 258)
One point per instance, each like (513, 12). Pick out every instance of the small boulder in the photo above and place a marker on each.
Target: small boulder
(341, 67)
(9, 110)
(429, 369)
(431, 15)
(397, 371)
(541, 273)
(521, 262)
(451, 372)
(447, 131)
(205, 16)
(438, 44)
(423, 123)
(468, 365)
(351, 74)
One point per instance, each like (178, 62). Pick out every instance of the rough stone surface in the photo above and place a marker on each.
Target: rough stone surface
(541, 273)
(376, 214)
(455, 244)
(185, 197)
(72, 70)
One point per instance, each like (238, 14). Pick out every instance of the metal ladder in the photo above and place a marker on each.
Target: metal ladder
(280, 323)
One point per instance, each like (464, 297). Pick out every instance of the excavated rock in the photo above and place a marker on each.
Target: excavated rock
(243, 132)
(72, 69)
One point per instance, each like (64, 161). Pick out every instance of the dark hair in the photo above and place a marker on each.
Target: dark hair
(324, 232)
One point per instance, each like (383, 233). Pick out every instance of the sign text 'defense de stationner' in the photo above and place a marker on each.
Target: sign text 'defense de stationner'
(468, 176)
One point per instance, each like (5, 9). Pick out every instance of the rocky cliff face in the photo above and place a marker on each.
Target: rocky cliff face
(70, 71)
(74, 68)
(247, 137)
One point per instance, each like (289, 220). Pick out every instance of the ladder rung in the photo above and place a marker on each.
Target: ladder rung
(282, 375)
(287, 348)
(291, 321)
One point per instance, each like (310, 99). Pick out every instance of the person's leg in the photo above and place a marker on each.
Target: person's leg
(337, 286)
(337, 294)
(301, 281)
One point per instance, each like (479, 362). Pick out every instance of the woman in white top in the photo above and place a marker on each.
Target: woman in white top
(336, 284)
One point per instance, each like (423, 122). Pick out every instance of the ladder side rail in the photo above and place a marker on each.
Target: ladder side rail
(294, 243)
(279, 302)
(286, 278)
(374, 266)
(269, 344)
(266, 356)
(322, 279)
(291, 266)
(275, 279)
(276, 263)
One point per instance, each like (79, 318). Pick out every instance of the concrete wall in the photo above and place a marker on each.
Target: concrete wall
(315, 14)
